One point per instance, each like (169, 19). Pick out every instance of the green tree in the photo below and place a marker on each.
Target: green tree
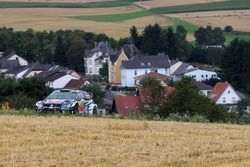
(152, 92)
(134, 35)
(7, 87)
(209, 36)
(33, 87)
(95, 89)
(75, 53)
(187, 100)
(151, 37)
(236, 63)
(104, 70)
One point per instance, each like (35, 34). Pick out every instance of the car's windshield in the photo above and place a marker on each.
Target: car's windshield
(62, 95)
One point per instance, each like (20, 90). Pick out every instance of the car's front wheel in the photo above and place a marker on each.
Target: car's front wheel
(95, 111)
(75, 110)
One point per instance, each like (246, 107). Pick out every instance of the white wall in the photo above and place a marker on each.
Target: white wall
(229, 96)
(22, 61)
(201, 75)
(93, 66)
(128, 75)
(61, 82)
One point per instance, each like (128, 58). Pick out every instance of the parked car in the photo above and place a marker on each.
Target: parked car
(67, 100)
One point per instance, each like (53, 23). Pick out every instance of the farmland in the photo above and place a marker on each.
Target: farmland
(54, 19)
(240, 19)
(76, 141)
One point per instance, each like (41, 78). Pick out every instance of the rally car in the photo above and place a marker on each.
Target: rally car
(67, 100)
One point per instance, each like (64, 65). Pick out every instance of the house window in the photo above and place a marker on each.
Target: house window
(206, 76)
(229, 92)
(224, 100)
(135, 72)
(146, 71)
(193, 76)
(202, 76)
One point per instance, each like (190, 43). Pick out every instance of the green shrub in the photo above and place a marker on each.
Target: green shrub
(20, 101)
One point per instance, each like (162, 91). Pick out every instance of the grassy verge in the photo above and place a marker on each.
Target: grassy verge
(214, 6)
(114, 17)
(103, 4)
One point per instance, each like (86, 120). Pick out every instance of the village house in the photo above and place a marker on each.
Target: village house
(224, 93)
(56, 80)
(126, 105)
(95, 58)
(203, 88)
(14, 56)
(76, 84)
(141, 65)
(6, 65)
(126, 52)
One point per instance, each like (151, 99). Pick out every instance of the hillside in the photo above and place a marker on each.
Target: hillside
(115, 17)
(76, 141)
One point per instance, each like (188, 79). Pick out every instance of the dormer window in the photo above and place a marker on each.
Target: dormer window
(229, 92)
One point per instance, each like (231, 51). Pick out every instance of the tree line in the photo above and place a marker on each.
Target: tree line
(67, 48)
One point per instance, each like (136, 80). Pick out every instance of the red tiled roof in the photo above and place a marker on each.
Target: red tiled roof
(218, 90)
(127, 104)
(74, 84)
(169, 89)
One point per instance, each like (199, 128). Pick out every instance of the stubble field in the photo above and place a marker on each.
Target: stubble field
(56, 18)
(163, 3)
(76, 141)
(239, 19)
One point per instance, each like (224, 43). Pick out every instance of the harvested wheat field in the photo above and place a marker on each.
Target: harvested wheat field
(76, 141)
(55, 19)
(239, 19)
(163, 3)
(55, 1)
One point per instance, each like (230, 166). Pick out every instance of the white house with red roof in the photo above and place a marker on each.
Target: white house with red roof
(224, 93)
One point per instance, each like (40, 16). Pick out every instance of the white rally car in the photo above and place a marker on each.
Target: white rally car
(67, 100)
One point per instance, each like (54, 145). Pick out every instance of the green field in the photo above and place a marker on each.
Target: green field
(103, 4)
(114, 17)
(214, 6)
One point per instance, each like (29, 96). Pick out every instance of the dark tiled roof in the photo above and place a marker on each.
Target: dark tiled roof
(9, 64)
(202, 86)
(159, 61)
(50, 75)
(129, 49)
(172, 62)
(182, 69)
(74, 84)
(15, 70)
(37, 67)
(103, 47)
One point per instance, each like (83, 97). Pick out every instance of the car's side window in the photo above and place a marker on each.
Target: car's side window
(80, 96)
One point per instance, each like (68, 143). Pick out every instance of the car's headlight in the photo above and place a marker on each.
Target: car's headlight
(39, 105)
(66, 105)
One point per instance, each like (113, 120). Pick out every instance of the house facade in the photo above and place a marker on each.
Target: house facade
(127, 52)
(95, 58)
(141, 65)
(224, 93)
(14, 56)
